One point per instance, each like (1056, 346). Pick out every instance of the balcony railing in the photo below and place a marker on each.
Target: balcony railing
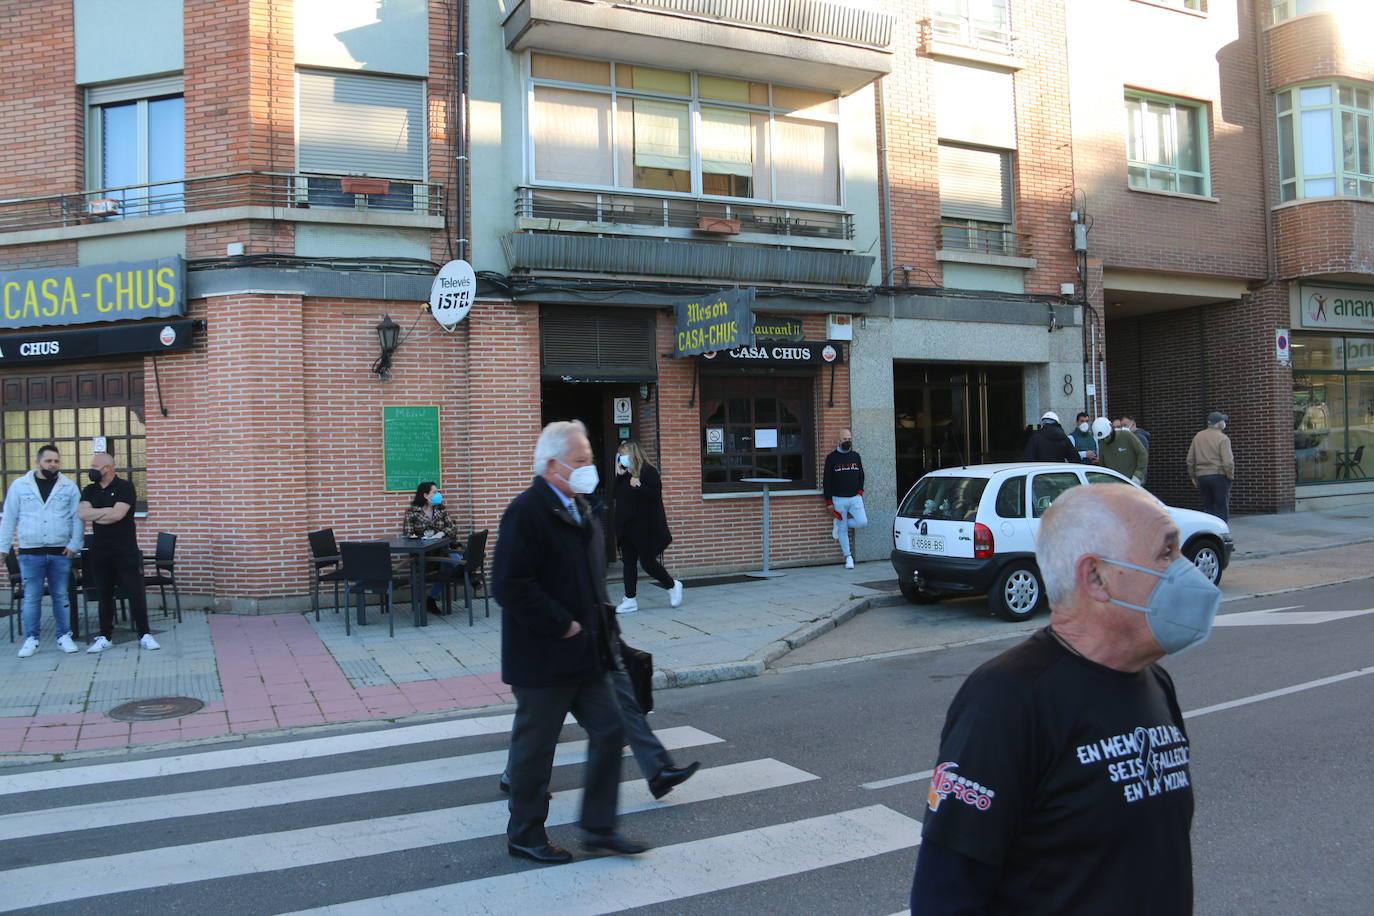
(962, 30)
(594, 209)
(804, 17)
(217, 192)
(985, 238)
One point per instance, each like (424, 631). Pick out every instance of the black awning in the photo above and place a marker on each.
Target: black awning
(95, 343)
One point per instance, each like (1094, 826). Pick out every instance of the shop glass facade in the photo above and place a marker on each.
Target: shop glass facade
(736, 411)
(1333, 407)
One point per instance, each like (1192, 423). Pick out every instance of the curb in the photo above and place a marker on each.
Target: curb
(759, 661)
(1266, 554)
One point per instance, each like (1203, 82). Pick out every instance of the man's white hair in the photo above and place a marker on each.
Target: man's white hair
(1081, 521)
(554, 442)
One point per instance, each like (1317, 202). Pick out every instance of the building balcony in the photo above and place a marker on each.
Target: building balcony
(617, 213)
(1328, 237)
(594, 233)
(832, 46)
(962, 235)
(1316, 47)
(220, 198)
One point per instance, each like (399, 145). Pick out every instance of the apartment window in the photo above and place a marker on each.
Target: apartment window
(136, 147)
(602, 124)
(751, 410)
(974, 23)
(1324, 141)
(361, 124)
(976, 199)
(1166, 144)
(1280, 10)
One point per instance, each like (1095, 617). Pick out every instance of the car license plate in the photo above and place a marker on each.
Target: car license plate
(928, 544)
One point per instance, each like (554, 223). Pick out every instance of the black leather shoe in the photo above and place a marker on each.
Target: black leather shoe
(546, 853)
(667, 778)
(612, 842)
(505, 790)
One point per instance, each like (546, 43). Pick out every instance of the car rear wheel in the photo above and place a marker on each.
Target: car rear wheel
(915, 595)
(1205, 554)
(1018, 594)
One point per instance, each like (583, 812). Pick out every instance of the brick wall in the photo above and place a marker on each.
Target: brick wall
(1325, 236)
(1169, 370)
(1313, 48)
(41, 144)
(1043, 175)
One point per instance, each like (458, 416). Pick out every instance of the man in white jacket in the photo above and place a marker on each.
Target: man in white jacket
(41, 508)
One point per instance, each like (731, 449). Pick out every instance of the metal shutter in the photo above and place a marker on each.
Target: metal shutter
(593, 344)
(975, 184)
(361, 124)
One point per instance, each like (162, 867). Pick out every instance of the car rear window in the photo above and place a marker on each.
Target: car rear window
(948, 498)
(1011, 499)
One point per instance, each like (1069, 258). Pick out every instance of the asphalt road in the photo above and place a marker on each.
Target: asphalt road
(1282, 825)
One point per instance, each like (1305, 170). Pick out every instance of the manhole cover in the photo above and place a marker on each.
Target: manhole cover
(718, 580)
(882, 585)
(156, 708)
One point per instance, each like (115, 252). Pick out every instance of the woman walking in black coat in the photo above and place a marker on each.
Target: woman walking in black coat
(641, 526)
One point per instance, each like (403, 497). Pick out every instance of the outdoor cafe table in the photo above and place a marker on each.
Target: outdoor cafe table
(417, 549)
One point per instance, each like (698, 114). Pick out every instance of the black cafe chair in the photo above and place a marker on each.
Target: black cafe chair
(366, 567)
(325, 566)
(164, 570)
(471, 570)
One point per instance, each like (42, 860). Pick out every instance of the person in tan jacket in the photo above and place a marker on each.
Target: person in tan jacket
(1211, 466)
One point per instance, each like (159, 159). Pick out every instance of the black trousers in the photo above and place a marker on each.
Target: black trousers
(629, 553)
(539, 714)
(122, 567)
(1215, 490)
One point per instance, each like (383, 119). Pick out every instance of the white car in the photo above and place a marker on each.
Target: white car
(971, 531)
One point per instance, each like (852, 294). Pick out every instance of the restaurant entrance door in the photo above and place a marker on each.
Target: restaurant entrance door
(594, 404)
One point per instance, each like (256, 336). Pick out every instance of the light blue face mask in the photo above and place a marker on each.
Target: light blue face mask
(1182, 605)
(436, 499)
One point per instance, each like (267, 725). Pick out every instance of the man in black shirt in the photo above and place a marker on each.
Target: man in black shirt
(842, 485)
(108, 504)
(1062, 783)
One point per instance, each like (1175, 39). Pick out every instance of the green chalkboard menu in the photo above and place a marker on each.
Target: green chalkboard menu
(410, 445)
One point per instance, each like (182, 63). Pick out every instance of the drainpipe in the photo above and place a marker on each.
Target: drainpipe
(885, 180)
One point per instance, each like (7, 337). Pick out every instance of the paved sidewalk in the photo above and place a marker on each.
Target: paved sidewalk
(259, 675)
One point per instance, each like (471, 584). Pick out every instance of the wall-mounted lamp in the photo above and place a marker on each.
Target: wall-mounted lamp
(388, 334)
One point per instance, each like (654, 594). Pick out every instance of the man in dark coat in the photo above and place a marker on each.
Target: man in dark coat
(555, 646)
(1050, 442)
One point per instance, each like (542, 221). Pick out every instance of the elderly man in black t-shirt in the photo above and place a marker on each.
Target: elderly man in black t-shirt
(115, 560)
(1062, 783)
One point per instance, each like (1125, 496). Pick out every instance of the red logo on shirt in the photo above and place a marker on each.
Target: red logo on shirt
(945, 782)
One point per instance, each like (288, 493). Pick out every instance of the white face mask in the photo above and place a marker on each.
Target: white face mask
(583, 479)
(1082, 427)
(624, 461)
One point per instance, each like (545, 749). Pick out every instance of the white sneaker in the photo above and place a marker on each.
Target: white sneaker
(848, 562)
(628, 606)
(64, 642)
(29, 647)
(675, 593)
(100, 644)
(148, 642)
(835, 529)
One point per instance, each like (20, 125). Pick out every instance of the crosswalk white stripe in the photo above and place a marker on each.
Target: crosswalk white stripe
(611, 884)
(303, 788)
(45, 884)
(37, 780)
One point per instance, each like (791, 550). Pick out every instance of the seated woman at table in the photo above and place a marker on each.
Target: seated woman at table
(427, 518)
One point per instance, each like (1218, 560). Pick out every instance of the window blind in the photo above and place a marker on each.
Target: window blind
(975, 184)
(361, 124)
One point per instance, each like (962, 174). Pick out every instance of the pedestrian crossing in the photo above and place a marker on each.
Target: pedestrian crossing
(187, 832)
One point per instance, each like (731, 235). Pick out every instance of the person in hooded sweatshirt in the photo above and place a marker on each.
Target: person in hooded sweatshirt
(1120, 450)
(1050, 442)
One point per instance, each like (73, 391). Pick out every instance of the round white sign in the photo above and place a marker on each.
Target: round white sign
(451, 295)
